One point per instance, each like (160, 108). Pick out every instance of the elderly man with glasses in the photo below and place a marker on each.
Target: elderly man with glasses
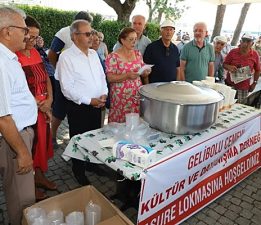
(164, 55)
(83, 84)
(243, 66)
(18, 111)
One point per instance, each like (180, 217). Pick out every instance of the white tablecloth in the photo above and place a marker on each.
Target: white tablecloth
(86, 146)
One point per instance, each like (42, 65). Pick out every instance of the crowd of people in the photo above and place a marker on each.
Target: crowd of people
(79, 77)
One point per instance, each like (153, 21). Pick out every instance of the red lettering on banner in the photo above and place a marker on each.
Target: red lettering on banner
(165, 217)
(249, 142)
(206, 190)
(230, 140)
(208, 152)
(159, 198)
(193, 177)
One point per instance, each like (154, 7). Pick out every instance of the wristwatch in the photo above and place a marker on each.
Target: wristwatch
(255, 81)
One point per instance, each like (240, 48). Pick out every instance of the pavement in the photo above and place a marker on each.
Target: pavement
(240, 206)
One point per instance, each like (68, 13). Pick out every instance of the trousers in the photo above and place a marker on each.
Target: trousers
(19, 190)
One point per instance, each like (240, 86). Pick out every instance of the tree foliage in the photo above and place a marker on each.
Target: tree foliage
(170, 9)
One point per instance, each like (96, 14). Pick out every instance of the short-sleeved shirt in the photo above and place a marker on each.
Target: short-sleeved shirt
(251, 59)
(140, 45)
(197, 60)
(15, 97)
(62, 40)
(165, 61)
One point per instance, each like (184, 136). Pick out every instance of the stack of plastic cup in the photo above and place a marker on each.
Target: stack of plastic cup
(75, 218)
(55, 217)
(92, 214)
(35, 213)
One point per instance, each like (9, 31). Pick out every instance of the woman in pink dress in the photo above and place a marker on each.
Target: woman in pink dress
(122, 68)
(40, 85)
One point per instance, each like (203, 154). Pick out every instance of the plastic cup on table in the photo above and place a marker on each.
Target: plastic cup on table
(132, 120)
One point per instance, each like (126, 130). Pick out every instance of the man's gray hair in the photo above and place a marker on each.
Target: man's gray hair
(76, 24)
(7, 14)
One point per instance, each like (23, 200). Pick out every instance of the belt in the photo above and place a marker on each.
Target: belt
(25, 128)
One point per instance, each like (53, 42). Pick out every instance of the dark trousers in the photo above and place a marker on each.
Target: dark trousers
(81, 118)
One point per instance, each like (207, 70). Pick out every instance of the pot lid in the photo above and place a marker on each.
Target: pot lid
(180, 92)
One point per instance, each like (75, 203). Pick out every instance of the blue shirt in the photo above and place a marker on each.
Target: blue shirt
(165, 61)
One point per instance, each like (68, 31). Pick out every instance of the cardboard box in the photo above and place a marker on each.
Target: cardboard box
(77, 200)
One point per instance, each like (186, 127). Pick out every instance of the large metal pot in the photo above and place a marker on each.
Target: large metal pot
(181, 108)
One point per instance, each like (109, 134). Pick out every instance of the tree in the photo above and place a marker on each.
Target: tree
(124, 9)
(171, 9)
(240, 23)
(221, 9)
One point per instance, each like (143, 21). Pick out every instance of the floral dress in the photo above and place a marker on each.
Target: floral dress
(123, 95)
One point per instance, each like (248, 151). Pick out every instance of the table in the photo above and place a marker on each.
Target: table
(181, 170)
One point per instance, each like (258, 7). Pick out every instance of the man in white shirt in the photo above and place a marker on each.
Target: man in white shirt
(61, 41)
(18, 111)
(83, 83)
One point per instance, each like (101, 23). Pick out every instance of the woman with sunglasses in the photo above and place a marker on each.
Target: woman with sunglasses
(40, 85)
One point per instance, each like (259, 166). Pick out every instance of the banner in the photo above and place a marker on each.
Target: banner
(178, 187)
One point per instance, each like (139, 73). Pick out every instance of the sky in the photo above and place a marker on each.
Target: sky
(199, 11)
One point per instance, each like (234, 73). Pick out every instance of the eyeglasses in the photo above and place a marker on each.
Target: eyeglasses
(87, 34)
(167, 52)
(26, 29)
(33, 38)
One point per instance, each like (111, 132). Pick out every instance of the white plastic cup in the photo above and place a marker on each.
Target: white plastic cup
(93, 214)
(41, 221)
(132, 120)
(35, 213)
(55, 217)
(75, 218)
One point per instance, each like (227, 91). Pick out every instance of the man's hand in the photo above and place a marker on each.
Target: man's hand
(98, 102)
(252, 87)
(25, 163)
(231, 68)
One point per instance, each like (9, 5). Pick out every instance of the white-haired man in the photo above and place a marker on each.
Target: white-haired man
(197, 57)
(83, 84)
(18, 112)
(138, 23)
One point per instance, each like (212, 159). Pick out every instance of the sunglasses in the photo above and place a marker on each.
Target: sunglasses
(87, 34)
(26, 29)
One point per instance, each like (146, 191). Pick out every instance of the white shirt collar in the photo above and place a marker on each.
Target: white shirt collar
(7, 52)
